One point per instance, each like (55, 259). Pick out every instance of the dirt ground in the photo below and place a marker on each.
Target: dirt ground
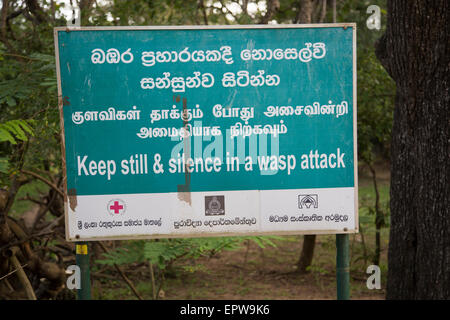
(270, 273)
(246, 274)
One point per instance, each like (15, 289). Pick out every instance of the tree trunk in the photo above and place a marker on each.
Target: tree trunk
(309, 242)
(415, 52)
(334, 11)
(304, 11)
(379, 217)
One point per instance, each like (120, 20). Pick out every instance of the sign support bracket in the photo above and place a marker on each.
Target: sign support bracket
(82, 261)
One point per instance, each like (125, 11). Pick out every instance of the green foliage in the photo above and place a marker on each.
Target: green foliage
(263, 241)
(4, 165)
(164, 252)
(376, 90)
(375, 108)
(15, 130)
(129, 252)
(367, 221)
(11, 132)
(28, 91)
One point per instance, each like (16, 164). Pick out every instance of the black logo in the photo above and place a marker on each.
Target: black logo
(214, 205)
(308, 201)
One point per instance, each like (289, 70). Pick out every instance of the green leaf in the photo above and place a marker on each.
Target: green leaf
(15, 129)
(130, 252)
(6, 136)
(10, 101)
(24, 124)
(4, 164)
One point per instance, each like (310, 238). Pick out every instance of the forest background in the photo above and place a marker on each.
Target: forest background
(31, 191)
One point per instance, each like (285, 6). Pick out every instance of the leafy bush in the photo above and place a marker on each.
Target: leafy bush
(164, 252)
(15, 130)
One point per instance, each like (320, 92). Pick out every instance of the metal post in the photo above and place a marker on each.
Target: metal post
(82, 260)
(342, 267)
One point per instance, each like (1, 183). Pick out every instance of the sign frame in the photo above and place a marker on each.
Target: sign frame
(62, 102)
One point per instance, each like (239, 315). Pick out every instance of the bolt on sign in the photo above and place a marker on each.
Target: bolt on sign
(208, 131)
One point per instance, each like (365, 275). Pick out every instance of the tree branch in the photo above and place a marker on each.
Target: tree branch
(272, 8)
(36, 11)
(4, 15)
(324, 11)
(3, 24)
(50, 184)
(304, 13)
(201, 5)
(22, 276)
(8, 200)
(124, 277)
(244, 7)
(28, 238)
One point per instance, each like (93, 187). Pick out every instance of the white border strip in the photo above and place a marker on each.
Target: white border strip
(213, 27)
(355, 129)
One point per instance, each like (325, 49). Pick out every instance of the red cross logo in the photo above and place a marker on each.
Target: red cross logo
(116, 206)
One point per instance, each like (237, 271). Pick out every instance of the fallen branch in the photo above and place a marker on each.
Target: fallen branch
(21, 274)
(16, 243)
(153, 280)
(124, 277)
(49, 270)
(12, 272)
(28, 198)
(54, 223)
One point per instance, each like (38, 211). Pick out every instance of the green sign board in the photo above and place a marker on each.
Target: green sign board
(189, 131)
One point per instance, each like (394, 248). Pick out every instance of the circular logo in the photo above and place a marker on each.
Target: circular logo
(214, 204)
(116, 207)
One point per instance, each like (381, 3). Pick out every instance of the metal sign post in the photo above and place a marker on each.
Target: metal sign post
(82, 260)
(342, 267)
